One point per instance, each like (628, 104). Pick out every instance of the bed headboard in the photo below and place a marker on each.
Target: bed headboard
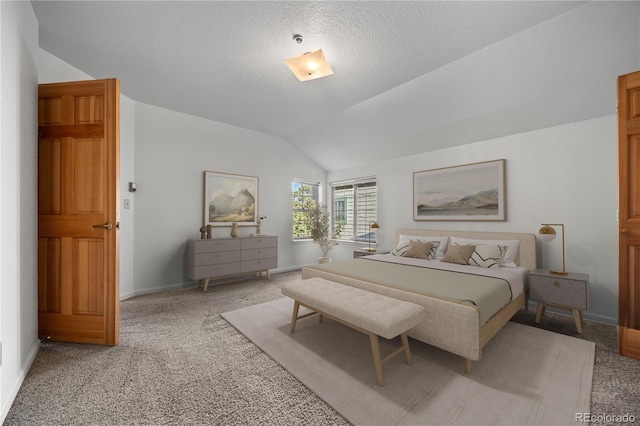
(526, 254)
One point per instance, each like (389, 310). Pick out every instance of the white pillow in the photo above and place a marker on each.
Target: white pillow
(508, 258)
(442, 242)
(487, 255)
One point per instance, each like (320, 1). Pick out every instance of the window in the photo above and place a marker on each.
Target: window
(355, 206)
(305, 194)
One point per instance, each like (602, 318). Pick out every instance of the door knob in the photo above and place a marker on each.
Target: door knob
(108, 226)
(624, 231)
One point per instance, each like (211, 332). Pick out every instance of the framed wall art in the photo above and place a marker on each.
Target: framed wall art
(230, 198)
(469, 192)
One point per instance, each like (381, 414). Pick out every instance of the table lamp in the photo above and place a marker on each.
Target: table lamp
(548, 233)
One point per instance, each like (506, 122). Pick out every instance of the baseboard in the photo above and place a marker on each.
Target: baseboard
(6, 405)
(189, 284)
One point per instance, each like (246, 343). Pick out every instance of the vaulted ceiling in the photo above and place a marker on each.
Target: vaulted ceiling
(409, 76)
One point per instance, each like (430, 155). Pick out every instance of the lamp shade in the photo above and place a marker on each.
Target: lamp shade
(547, 233)
(309, 66)
(374, 225)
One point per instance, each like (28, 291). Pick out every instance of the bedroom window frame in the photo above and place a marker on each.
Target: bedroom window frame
(355, 199)
(315, 198)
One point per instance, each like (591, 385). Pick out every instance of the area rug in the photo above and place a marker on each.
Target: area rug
(527, 376)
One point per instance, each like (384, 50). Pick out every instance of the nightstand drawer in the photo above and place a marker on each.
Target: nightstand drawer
(558, 291)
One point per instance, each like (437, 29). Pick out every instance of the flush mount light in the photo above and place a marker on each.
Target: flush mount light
(310, 65)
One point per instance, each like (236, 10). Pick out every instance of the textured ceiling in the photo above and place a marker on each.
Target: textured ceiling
(393, 62)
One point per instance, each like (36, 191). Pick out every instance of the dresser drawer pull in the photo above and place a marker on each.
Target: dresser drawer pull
(556, 283)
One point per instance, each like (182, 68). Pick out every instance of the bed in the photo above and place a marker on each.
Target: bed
(458, 323)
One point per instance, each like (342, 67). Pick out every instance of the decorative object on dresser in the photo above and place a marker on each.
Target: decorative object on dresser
(234, 230)
(205, 232)
(547, 233)
(570, 291)
(469, 192)
(259, 225)
(230, 198)
(227, 257)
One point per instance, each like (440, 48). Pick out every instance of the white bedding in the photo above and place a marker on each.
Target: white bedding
(517, 277)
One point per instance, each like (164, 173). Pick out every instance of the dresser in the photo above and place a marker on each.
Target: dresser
(226, 257)
(568, 291)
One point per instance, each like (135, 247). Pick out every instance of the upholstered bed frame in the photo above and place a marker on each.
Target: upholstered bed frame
(451, 325)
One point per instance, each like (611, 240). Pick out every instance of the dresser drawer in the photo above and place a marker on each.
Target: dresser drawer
(558, 291)
(259, 242)
(215, 258)
(209, 246)
(255, 254)
(258, 265)
(212, 271)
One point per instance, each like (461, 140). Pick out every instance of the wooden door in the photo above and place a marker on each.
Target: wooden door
(629, 214)
(78, 211)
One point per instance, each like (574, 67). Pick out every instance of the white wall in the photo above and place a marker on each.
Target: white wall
(565, 174)
(172, 150)
(52, 69)
(18, 197)
(127, 174)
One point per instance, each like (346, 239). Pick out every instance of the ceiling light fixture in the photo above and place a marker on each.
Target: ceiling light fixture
(309, 65)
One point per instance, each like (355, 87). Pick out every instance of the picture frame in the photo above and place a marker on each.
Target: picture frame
(470, 192)
(230, 198)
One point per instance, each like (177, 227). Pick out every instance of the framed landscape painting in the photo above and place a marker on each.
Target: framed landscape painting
(230, 198)
(469, 192)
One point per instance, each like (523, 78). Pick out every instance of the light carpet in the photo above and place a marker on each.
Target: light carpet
(526, 375)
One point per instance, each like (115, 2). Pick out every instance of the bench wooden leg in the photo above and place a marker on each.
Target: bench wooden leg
(407, 351)
(377, 361)
(467, 365)
(206, 284)
(294, 316)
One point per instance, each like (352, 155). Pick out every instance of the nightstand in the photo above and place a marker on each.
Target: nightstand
(364, 252)
(561, 291)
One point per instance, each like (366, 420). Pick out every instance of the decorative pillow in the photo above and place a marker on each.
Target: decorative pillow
(487, 255)
(508, 258)
(459, 254)
(403, 246)
(441, 245)
(418, 250)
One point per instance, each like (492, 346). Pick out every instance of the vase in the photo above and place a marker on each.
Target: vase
(234, 230)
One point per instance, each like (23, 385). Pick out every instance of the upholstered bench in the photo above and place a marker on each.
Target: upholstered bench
(370, 313)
